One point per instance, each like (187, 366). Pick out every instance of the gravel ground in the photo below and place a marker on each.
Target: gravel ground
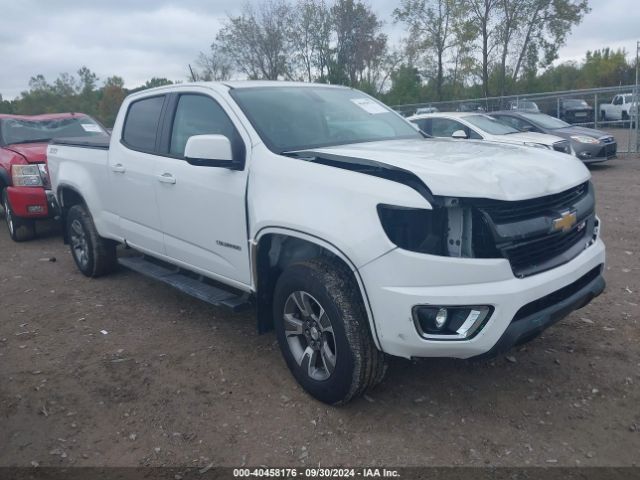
(173, 381)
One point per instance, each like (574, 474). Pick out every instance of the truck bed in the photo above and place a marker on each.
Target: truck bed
(98, 141)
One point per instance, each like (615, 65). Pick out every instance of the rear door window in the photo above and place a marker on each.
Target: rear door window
(141, 125)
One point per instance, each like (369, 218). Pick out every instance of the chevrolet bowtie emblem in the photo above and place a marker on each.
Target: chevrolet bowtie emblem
(565, 222)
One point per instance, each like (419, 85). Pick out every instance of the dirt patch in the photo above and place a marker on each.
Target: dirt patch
(177, 382)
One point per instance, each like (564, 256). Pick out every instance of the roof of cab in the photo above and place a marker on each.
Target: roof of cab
(234, 84)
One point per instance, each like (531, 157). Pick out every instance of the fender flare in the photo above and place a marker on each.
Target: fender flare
(327, 246)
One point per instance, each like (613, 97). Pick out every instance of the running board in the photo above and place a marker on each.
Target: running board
(191, 286)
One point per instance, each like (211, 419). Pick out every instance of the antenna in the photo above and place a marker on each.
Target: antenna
(193, 75)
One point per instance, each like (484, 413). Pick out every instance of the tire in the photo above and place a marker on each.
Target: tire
(603, 116)
(94, 256)
(20, 229)
(332, 356)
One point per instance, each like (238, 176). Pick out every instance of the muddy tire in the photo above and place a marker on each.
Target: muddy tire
(323, 331)
(20, 229)
(94, 256)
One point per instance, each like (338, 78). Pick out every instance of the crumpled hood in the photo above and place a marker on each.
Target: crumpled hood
(32, 152)
(474, 168)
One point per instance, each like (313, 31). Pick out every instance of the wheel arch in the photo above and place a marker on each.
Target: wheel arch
(274, 248)
(68, 197)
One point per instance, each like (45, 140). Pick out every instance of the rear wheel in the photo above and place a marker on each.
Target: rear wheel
(20, 229)
(323, 331)
(603, 116)
(94, 255)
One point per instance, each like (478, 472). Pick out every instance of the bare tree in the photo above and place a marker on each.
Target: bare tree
(311, 38)
(432, 29)
(360, 43)
(214, 65)
(544, 29)
(258, 40)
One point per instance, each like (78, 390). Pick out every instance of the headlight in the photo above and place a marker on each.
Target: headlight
(537, 145)
(445, 230)
(583, 139)
(26, 176)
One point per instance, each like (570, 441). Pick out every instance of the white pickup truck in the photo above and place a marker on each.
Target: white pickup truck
(622, 107)
(352, 234)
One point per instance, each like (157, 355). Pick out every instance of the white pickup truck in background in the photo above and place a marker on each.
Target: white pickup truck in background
(352, 234)
(622, 107)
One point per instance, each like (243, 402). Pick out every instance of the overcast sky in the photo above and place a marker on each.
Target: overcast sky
(140, 39)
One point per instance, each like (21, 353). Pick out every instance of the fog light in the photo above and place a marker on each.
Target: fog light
(441, 318)
(450, 322)
(35, 208)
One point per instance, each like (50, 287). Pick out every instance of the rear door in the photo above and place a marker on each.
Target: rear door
(203, 209)
(132, 164)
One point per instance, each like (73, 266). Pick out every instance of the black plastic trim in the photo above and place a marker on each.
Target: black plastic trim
(523, 329)
(370, 167)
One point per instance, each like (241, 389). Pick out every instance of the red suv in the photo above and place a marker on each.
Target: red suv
(24, 180)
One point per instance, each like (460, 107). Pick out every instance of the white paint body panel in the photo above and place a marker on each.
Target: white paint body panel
(336, 208)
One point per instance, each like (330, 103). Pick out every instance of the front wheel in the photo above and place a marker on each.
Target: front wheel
(94, 256)
(20, 229)
(323, 331)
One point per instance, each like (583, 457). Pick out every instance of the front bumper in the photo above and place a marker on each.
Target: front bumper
(595, 153)
(32, 202)
(399, 280)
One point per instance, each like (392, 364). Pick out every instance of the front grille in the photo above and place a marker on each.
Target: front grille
(504, 211)
(523, 231)
(564, 146)
(609, 150)
(525, 256)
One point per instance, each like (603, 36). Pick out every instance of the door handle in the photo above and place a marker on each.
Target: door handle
(118, 168)
(166, 177)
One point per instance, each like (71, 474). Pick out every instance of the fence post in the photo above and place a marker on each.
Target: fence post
(558, 108)
(596, 111)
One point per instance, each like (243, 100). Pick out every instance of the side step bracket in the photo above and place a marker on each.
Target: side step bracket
(191, 286)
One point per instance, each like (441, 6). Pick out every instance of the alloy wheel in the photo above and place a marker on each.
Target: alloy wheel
(309, 335)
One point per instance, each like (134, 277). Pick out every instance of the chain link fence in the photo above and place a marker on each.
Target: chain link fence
(612, 109)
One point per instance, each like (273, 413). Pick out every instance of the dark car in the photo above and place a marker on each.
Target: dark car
(575, 110)
(588, 144)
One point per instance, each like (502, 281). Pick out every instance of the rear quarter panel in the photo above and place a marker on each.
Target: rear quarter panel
(85, 171)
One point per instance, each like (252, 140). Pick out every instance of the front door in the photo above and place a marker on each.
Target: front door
(202, 209)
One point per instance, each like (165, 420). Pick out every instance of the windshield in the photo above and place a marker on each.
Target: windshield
(14, 130)
(300, 118)
(545, 121)
(490, 125)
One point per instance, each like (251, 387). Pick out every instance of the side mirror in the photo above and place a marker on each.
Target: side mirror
(459, 134)
(211, 151)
